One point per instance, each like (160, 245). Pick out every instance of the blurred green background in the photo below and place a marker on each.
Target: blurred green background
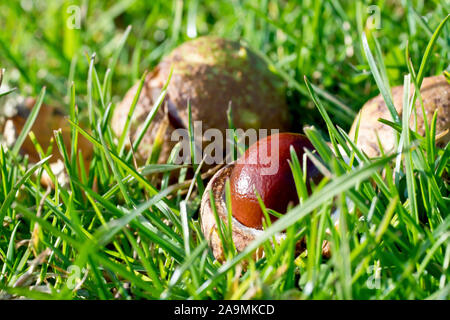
(46, 43)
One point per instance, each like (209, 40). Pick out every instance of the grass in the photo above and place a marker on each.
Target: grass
(112, 234)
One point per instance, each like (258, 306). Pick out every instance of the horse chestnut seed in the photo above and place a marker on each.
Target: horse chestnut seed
(265, 168)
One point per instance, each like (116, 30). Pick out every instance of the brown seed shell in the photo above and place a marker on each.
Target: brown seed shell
(209, 72)
(241, 234)
(435, 92)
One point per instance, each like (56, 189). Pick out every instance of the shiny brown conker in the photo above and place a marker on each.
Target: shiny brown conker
(265, 168)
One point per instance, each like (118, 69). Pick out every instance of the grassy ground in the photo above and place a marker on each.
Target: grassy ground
(127, 239)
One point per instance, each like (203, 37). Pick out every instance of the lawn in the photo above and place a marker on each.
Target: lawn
(121, 230)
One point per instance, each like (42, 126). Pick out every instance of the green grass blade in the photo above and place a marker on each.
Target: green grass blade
(29, 123)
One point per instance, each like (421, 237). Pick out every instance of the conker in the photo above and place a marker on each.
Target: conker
(254, 171)
(276, 186)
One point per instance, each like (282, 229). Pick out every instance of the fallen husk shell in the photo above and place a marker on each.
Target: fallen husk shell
(435, 92)
(241, 234)
(47, 121)
(210, 73)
